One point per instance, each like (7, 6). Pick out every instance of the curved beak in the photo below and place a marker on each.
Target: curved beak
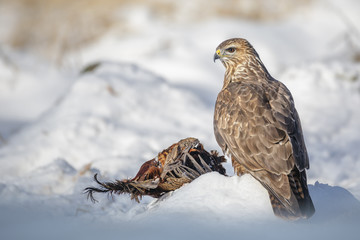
(217, 55)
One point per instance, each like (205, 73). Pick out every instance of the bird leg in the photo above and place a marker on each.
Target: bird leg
(238, 168)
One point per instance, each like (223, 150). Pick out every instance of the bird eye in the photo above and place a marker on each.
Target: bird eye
(230, 49)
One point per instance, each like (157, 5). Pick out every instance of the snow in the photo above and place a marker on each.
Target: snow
(226, 198)
(152, 88)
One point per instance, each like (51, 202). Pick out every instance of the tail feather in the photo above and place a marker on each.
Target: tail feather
(301, 191)
(303, 207)
(280, 209)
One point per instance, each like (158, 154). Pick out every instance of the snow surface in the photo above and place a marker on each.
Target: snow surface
(153, 88)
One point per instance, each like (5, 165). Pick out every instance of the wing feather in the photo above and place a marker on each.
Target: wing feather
(260, 127)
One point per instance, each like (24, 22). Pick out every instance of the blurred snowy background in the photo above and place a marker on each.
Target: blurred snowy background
(62, 119)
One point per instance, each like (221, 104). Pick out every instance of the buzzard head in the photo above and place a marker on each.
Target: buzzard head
(234, 51)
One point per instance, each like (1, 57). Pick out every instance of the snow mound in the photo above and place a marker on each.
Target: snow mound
(215, 196)
(334, 204)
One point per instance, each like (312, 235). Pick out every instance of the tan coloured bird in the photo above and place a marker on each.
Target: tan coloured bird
(256, 123)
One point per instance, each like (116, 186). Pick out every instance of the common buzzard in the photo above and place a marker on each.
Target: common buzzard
(256, 123)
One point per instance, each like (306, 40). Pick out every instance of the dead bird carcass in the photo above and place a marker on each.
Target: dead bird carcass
(180, 163)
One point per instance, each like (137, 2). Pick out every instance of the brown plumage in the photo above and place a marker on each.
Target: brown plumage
(180, 163)
(255, 121)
